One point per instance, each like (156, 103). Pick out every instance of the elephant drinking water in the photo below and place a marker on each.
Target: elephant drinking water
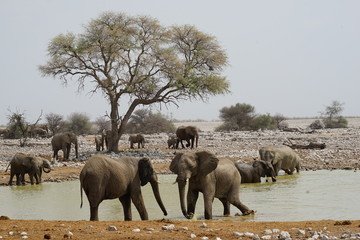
(215, 178)
(252, 172)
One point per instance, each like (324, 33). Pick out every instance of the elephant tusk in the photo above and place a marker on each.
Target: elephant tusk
(158, 182)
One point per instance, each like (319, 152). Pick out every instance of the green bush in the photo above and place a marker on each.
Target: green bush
(337, 122)
(144, 121)
(242, 117)
(79, 123)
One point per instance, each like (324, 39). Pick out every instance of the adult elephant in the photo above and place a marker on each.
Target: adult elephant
(106, 178)
(189, 134)
(22, 164)
(63, 141)
(211, 176)
(252, 172)
(137, 138)
(281, 157)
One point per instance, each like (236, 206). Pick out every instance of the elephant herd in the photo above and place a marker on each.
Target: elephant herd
(103, 178)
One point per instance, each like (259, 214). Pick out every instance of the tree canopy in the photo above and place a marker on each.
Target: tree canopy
(139, 58)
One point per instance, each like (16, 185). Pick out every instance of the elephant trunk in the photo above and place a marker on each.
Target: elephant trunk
(155, 187)
(48, 170)
(181, 186)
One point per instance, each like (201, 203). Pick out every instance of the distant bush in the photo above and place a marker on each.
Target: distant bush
(264, 121)
(332, 117)
(242, 117)
(55, 122)
(317, 124)
(101, 124)
(144, 121)
(79, 123)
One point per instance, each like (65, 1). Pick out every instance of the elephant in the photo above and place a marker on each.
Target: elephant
(22, 164)
(99, 143)
(172, 142)
(106, 135)
(281, 157)
(212, 176)
(63, 141)
(189, 134)
(105, 178)
(138, 138)
(252, 172)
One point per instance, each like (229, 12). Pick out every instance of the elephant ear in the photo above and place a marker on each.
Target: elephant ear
(207, 162)
(145, 171)
(174, 165)
(256, 164)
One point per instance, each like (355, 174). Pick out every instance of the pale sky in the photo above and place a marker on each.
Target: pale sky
(288, 57)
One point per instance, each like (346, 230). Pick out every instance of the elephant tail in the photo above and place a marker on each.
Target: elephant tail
(7, 167)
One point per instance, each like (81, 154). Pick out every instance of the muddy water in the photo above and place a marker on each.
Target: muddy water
(313, 195)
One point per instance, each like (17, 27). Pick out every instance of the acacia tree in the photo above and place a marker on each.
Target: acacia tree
(138, 58)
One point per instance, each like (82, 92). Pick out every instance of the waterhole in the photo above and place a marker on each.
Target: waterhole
(312, 195)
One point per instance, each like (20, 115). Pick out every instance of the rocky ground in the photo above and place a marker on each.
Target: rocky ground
(342, 152)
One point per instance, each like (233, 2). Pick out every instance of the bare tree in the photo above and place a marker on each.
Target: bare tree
(138, 58)
(55, 122)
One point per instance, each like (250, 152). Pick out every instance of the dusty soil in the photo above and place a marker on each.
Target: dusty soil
(342, 152)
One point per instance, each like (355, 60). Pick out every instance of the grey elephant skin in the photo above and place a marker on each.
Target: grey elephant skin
(213, 177)
(99, 143)
(22, 164)
(63, 141)
(254, 171)
(137, 138)
(188, 133)
(281, 157)
(106, 178)
(171, 142)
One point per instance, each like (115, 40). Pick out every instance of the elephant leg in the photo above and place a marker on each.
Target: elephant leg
(138, 144)
(192, 197)
(226, 205)
(94, 212)
(192, 142)
(22, 178)
(126, 203)
(208, 201)
(11, 177)
(31, 176)
(138, 201)
(68, 151)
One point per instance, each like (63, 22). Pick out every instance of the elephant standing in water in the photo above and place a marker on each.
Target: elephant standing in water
(281, 157)
(189, 134)
(22, 164)
(63, 141)
(106, 178)
(138, 138)
(252, 172)
(211, 176)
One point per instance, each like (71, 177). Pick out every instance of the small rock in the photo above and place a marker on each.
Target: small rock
(24, 237)
(266, 237)
(112, 228)
(11, 233)
(217, 238)
(149, 229)
(185, 228)
(192, 235)
(168, 227)
(268, 232)
(89, 227)
(47, 236)
(137, 230)
(275, 230)
(301, 232)
(284, 235)
(249, 234)
(204, 238)
(237, 234)
(23, 233)
(203, 225)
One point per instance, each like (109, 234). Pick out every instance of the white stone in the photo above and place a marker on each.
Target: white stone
(192, 235)
(268, 232)
(203, 225)
(185, 228)
(275, 230)
(237, 234)
(23, 233)
(137, 230)
(168, 227)
(24, 237)
(217, 238)
(204, 238)
(249, 234)
(284, 235)
(301, 232)
(112, 228)
(266, 237)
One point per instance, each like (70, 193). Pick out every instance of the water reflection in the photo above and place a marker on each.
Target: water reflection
(305, 196)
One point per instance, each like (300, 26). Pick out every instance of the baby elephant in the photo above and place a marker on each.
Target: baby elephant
(172, 142)
(252, 172)
(139, 139)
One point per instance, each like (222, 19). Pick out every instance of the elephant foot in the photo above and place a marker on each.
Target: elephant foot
(190, 216)
(249, 212)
